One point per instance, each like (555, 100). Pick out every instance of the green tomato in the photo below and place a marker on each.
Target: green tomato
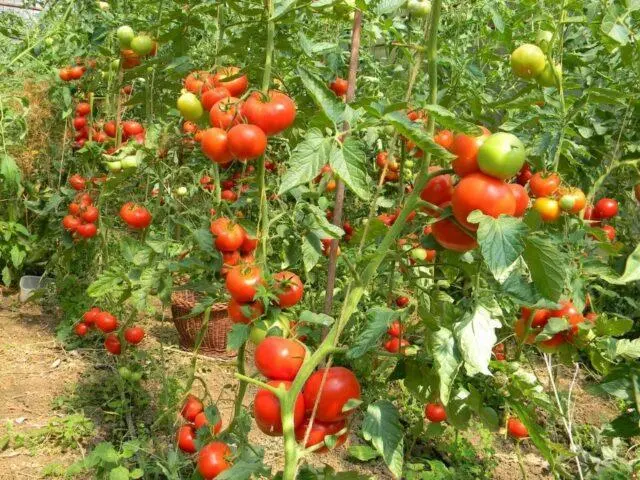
(547, 78)
(104, 6)
(124, 372)
(527, 61)
(136, 376)
(190, 107)
(344, 7)
(543, 39)
(567, 202)
(419, 254)
(129, 162)
(125, 35)
(262, 328)
(181, 191)
(409, 164)
(115, 64)
(142, 45)
(419, 8)
(501, 155)
(48, 41)
(115, 166)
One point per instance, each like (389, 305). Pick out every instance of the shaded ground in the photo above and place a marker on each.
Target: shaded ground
(35, 370)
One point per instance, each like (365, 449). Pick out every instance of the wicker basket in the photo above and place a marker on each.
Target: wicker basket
(214, 342)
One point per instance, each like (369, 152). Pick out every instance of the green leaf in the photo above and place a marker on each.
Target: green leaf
(631, 270)
(322, 227)
(378, 321)
(17, 256)
(136, 473)
(106, 453)
(446, 359)
(204, 239)
(110, 282)
(282, 7)
(626, 425)
(501, 241)
(363, 453)
(547, 266)
(119, 473)
(323, 97)
(451, 121)
(130, 448)
(6, 276)
(629, 349)
(348, 162)
(553, 326)
(389, 6)
(238, 335)
(307, 159)
(316, 318)
(417, 135)
(476, 337)
(248, 463)
(311, 251)
(10, 172)
(613, 325)
(381, 426)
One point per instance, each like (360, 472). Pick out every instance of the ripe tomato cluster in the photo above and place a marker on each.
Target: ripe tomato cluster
(234, 242)
(69, 73)
(108, 323)
(397, 343)
(392, 173)
(80, 221)
(604, 209)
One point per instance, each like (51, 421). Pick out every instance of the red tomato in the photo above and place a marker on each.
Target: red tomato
(82, 134)
(444, 138)
(106, 322)
(71, 223)
(110, 128)
(439, 189)
(65, 74)
(201, 420)
(320, 430)
(112, 344)
(91, 316)
(81, 329)
(547, 208)
(84, 199)
(478, 191)
(192, 406)
(189, 127)
(451, 237)
(395, 345)
(134, 335)
(610, 231)
(230, 237)
(339, 86)
(246, 141)
(237, 311)
(267, 412)
(87, 230)
(90, 214)
(213, 96)
(79, 122)
(198, 81)
(516, 428)
(466, 149)
(435, 412)
(249, 244)
(229, 195)
(522, 198)
(99, 137)
(225, 113)
(272, 114)
(395, 329)
(186, 439)
(127, 89)
(130, 58)
(519, 329)
(215, 145)
(242, 282)
(236, 86)
(83, 109)
(136, 216)
(340, 386)
(219, 225)
(131, 128)
(605, 208)
(524, 175)
(279, 358)
(540, 317)
(544, 185)
(402, 301)
(288, 288)
(213, 459)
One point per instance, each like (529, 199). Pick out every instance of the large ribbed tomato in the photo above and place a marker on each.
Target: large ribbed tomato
(288, 288)
(319, 431)
(466, 149)
(340, 386)
(267, 412)
(214, 459)
(478, 191)
(225, 113)
(198, 81)
(136, 216)
(246, 141)
(186, 439)
(230, 237)
(279, 358)
(452, 237)
(213, 96)
(242, 282)
(215, 145)
(543, 185)
(438, 190)
(273, 113)
(236, 86)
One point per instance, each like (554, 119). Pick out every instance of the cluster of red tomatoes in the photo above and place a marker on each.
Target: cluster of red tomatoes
(107, 323)
(234, 242)
(392, 173)
(135, 216)
(604, 209)
(69, 73)
(536, 320)
(82, 213)
(396, 343)
(213, 458)
(131, 130)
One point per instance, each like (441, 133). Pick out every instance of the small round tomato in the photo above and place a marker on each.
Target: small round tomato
(382, 160)
(466, 149)
(605, 208)
(230, 237)
(70, 223)
(272, 113)
(244, 312)
(112, 344)
(452, 237)
(402, 301)
(522, 198)
(213, 96)
(249, 244)
(242, 282)
(610, 231)
(501, 155)
(110, 128)
(288, 288)
(319, 431)
(81, 329)
(189, 106)
(279, 358)
(478, 191)
(339, 86)
(201, 420)
(131, 128)
(198, 81)
(267, 411)
(528, 61)
(246, 141)
(237, 84)
(544, 185)
(340, 386)
(87, 230)
(65, 74)
(83, 109)
(186, 439)
(439, 189)
(395, 329)
(130, 59)
(90, 214)
(90, 317)
(134, 335)
(136, 216)
(524, 175)
(435, 412)
(192, 406)
(213, 459)
(106, 322)
(215, 146)
(516, 428)
(444, 138)
(395, 345)
(548, 208)
(229, 195)
(79, 123)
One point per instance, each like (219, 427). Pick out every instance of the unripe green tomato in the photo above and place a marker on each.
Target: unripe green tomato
(48, 41)
(136, 376)
(547, 78)
(249, 200)
(502, 155)
(142, 45)
(115, 64)
(543, 39)
(409, 164)
(190, 107)
(125, 34)
(124, 372)
(419, 8)
(149, 69)
(419, 254)
(567, 202)
(104, 6)
(527, 61)
(388, 129)
(115, 166)
(129, 162)
(260, 329)
(181, 191)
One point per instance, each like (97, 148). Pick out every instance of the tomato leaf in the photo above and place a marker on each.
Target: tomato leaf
(476, 336)
(119, 473)
(450, 120)
(362, 453)
(306, 160)
(109, 282)
(249, 463)
(612, 325)
(388, 6)
(631, 270)
(237, 336)
(316, 318)
(311, 251)
(322, 227)
(348, 162)
(322, 96)
(629, 349)
(626, 425)
(553, 326)
(501, 241)
(547, 266)
(381, 426)
(447, 361)
(378, 321)
(417, 135)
